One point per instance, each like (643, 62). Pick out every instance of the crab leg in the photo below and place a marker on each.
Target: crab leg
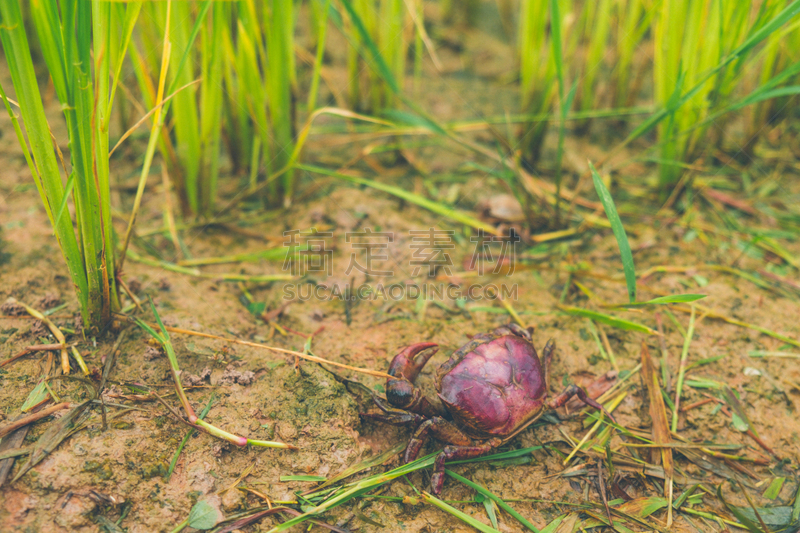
(547, 358)
(442, 429)
(573, 390)
(458, 452)
(392, 415)
(519, 331)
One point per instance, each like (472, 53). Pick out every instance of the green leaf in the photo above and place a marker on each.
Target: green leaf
(684, 496)
(41, 157)
(774, 488)
(377, 59)
(303, 478)
(202, 516)
(607, 319)
(671, 299)
(503, 505)
(62, 207)
(149, 330)
(703, 383)
(480, 526)
(499, 456)
(779, 20)
(36, 396)
(619, 233)
(421, 201)
(796, 507)
(643, 507)
(738, 411)
(772, 516)
(412, 119)
(553, 526)
(158, 319)
(739, 424)
(257, 308)
(740, 516)
(489, 506)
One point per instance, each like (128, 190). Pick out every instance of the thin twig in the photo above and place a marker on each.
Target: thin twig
(601, 483)
(16, 424)
(301, 355)
(31, 349)
(53, 329)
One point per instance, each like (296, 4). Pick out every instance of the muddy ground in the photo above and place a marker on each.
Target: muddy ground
(309, 408)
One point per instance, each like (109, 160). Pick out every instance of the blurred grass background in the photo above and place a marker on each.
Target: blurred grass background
(228, 94)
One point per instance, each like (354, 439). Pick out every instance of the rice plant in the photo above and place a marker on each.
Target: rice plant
(633, 21)
(697, 71)
(596, 26)
(281, 86)
(780, 54)
(76, 43)
(383, 27)
(537, 69)
(259, 79)
(192, 156)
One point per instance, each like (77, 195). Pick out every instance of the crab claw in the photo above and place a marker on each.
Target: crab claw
(405, 365)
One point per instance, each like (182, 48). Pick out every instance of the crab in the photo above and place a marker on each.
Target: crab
(490, 390)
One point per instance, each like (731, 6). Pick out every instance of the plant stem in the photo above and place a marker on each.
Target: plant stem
(682, 371)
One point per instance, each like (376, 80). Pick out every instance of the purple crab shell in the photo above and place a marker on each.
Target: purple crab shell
(497, 388)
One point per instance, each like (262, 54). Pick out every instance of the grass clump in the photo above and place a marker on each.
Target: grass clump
(701, 71)
(80, 54)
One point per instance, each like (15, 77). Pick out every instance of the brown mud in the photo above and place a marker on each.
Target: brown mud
(308, 407)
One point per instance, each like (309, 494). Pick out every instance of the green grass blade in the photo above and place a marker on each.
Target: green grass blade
(741, 517)
(662, 300)
(411, 119)
(187, 52)
(46, 171)
(211, 97)
(279, 24)
(67, 192)
(322, 8)
(467, 519)
(774, 489)
(164, 332)
(503, 505)
(736, 54)
(416, 199)
(186, 438)
(552, 527)
(682, 370)
(315, 479)
(608, 319)
(142, 324)
(619, 233)
(378, 63)
(132, 11)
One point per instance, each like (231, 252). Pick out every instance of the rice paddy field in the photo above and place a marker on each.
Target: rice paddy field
(221, 220)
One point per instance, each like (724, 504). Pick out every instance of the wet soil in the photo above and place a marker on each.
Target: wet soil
(309, 407)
